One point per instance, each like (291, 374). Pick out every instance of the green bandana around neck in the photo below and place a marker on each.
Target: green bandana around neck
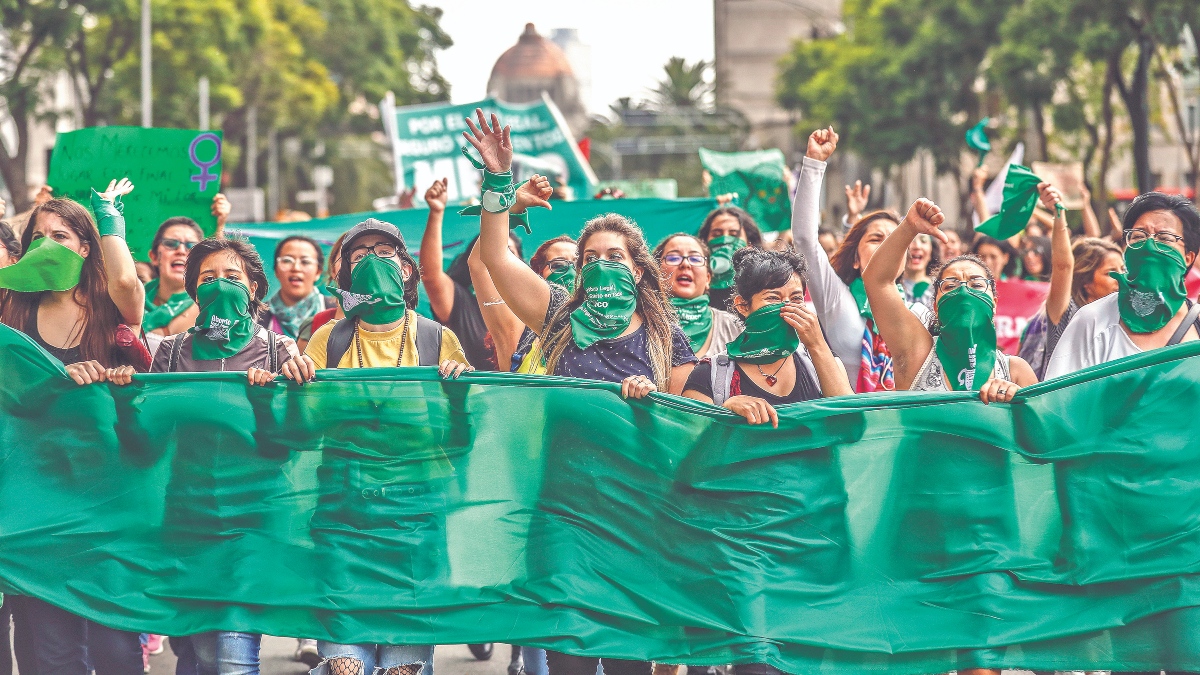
(966, 345)
(1152, 289)
(565, 277)
(610, 300)
(224, 326)
(859, 291)
(767, 337)
(46, 266)
(696, 319)
(157, 316)
(720, 260)
(376, 292)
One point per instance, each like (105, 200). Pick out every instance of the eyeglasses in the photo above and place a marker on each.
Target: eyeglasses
(559, 264)
(382, 249)
(172, 244)
(1136, 237)
(289, 261)
(675, 259)
(950, 283)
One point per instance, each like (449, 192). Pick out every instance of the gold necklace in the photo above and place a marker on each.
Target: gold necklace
(403, 341)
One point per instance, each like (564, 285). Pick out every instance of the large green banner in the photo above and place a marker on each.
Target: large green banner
(426, 142)
(175, 172)
(891, 533)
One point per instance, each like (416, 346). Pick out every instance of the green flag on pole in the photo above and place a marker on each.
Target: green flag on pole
(1020, 199)
(757, 178)
(978, 141)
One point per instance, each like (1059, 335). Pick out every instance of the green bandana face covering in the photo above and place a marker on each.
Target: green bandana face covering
(720, 261)
(611, 298)
(224, 327)
(565, 277)
(695, 318)
(967, 344)
(376, 292)
(46, 266)
(767, 337)
(1152, 289)
(157, 316)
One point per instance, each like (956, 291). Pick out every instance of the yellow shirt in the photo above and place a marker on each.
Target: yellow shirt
(380, 350)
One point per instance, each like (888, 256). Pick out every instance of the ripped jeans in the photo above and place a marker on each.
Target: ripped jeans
(375, 659)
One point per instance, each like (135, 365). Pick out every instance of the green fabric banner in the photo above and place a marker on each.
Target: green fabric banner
(175, 172)
(758, 178)
(891, 533)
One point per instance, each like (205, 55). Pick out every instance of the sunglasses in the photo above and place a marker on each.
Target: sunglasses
(173, 244)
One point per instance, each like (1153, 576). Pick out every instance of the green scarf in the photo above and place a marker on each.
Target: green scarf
(224, 326)
(1020, 199)
(157, 316)
(376, 292)
(46, 266)
(919, 289)
(966, 345)
(696, 318)
(610, 300)
(720, 260)
(1152, 289)
(859, 291)
(565, 277)
(767, 337)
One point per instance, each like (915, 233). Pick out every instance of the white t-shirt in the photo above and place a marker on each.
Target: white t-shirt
(1094, 336)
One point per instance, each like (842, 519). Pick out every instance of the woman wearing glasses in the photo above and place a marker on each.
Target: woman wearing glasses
(169, 309)
(298, 262)
(957, 351)
(683, 260)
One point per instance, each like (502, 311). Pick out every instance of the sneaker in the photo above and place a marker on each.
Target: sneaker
(155, 643)
(306, 652)
(145, 658)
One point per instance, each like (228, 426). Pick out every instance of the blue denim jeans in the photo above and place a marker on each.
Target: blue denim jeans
(375, 658)
(226, 653)
(534, 661)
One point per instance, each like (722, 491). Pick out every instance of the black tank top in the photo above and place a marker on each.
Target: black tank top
(67, 356)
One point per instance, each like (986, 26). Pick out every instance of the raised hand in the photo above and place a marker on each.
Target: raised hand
(978, 178)
(856, 200)
(1049, 195)
(534, 192)
(221, 208)
(926, 217)
(822, 143)
(116, 188)
(45, 194)
(405, 198)
(492, 142)
(435, 196)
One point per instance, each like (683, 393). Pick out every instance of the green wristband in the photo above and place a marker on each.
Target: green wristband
(515, 220)
(110, 216)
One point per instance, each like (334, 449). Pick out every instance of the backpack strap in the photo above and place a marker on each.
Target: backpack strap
(1188, 321)
(806, 361)
(339, 341)
(272, 354)
(176, 349)
(429, 341)
(721, 377)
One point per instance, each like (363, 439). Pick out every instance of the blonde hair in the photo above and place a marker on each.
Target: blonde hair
(652, 304)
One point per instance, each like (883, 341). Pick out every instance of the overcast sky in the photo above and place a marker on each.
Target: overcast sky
(630, 40)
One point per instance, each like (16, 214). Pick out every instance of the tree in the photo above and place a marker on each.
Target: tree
(684, 85)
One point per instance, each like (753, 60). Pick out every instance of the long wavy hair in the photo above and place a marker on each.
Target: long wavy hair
(844, 258)
(98, 340)
(652, 303)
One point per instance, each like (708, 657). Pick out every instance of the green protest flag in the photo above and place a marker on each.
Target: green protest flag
(977, 139)
(1020, 199)
(175, 172)
(383, 502)
(757, 178)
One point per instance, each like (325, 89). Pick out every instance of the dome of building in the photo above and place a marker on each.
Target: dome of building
(532, 57)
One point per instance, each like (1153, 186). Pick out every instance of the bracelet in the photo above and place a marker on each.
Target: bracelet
(492, 304)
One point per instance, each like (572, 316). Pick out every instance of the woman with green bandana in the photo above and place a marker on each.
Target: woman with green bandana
(957, 351)
(1150, 308)
(516, 346)
(835, 284)
(726, 230)
(75, 293)
(765, 366)
(687, 276)
(377, 286)
(616, 326)
(298, 262)
(169, 308)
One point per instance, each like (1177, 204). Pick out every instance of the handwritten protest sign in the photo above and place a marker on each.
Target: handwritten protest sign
(175, 172)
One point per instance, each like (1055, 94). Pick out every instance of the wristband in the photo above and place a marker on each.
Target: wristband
(515, 220)
(110, 215)
(498, 195)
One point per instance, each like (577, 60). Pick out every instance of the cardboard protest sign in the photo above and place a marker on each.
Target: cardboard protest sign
(1067, 177)
(426, 141)
(175, 172)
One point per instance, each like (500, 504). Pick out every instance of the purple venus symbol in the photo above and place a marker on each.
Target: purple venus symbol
(205, 177)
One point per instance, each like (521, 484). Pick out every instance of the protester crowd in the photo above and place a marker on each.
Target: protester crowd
(724, 316)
